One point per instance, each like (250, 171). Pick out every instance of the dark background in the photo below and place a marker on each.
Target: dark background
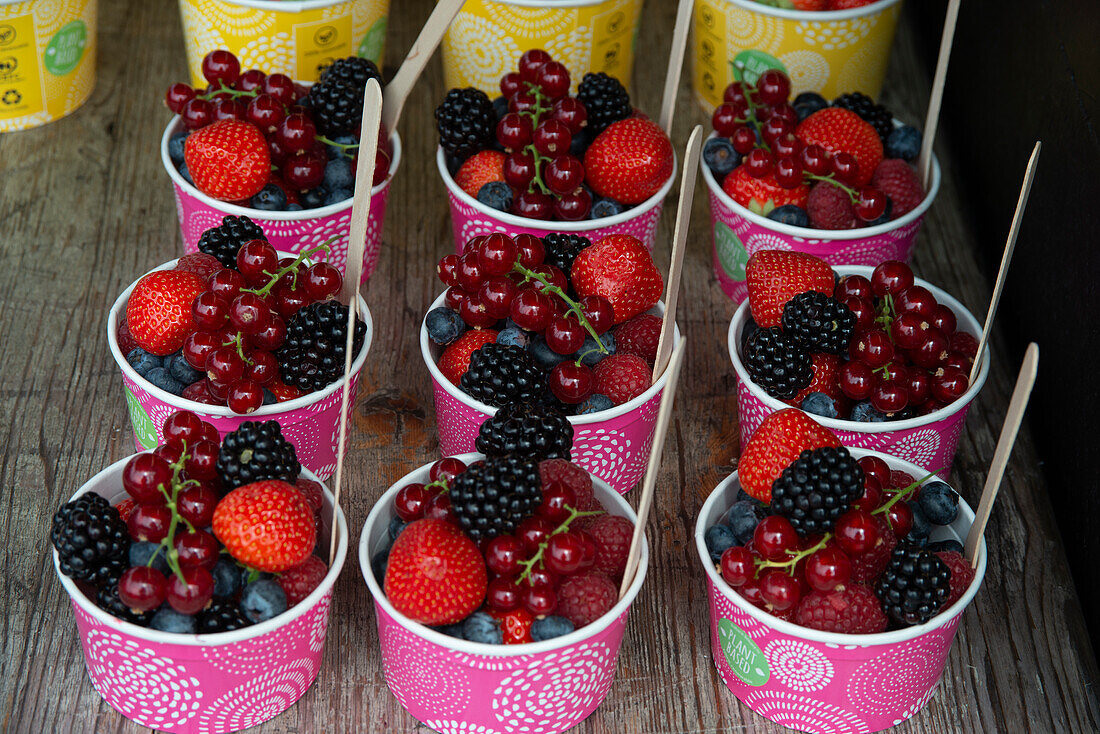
(1020, 72)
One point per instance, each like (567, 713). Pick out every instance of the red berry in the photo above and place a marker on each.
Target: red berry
(773, 87)
(411, 501)
(142, 588)
(891, 277)
(144, 476)
(774, 537)
(828, 568)
(196, 549)
(900, 515)
(779, 590)
(571, 382)
(737, 566)
(503, 554)
(563, 554)
(856, 532)
(504, 594)
(190, 594)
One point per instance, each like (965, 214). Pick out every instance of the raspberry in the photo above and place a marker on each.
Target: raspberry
(622, 377)
(850, 609)
(867, 567)
(962, 575)
(900, 479)
(830, 207)
(612, 534)
(300, 581)
(584, 598)
(639, 336)
(313, 493)
(199, 263)
(572, 476)
(897, 179)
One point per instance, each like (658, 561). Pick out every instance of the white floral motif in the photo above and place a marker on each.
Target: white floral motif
(458, 727)
(420, 674)
(899, 677)
(319, 624)
(607, 454)
(261, 698)
(480, 52)
(917, 706)
(919, 447)
(760, 240)
(808, 70)
(800, 666)
(251, 656)
(804, 713)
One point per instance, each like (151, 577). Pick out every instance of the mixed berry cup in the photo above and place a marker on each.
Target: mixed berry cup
(311, 422)
(613, 445)
(830, 52)
(455, 687)
(826, 682)
(289, 231)
(208, 683)
(737, 233)
(470, 218)
(929, 441)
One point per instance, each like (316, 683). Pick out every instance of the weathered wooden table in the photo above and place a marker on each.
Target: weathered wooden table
(86, 207)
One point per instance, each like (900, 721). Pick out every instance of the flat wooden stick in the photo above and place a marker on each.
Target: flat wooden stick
(660, 432)
(397, 91)
(1006, 258)
(675, 64)
(349, 292)
(679, 240)
(935, 100)
(1011, 427)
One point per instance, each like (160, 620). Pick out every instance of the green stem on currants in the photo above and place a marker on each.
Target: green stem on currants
(905, 492)
(171, 555)
(342, 148)
(233, 93)
(574, 307)
(789, 565)
(274, 277)
(529, 564)
(832, 179)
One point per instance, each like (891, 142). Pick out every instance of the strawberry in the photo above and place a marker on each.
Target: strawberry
(622, 377)
(281, 390)
(898, 180)
(813, 5)
(126, 508)
(479, 169)
(515, 625)
(830, 207)
(838, 130)
(778, 442)
(456, 357)
(228, 160)
(199, 263)
(825, 381)
(774, 277)
(629, 161)
(761, 195)
(435, 574)
(300, 581)
(639, 336)
(846, 4)
(266, 525)
(619, 268)
(159, 310)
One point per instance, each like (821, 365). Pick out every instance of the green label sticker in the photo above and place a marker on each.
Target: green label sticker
(743, 655)
(371, 45)
(66, 48)
(748, 65)
(144, 429)
(731, 252)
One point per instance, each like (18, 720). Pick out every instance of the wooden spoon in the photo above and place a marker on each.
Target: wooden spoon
(675, 64)
(935, 100)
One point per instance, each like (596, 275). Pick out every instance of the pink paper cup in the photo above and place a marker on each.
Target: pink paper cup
(737, 233)
(209, 683)
(311, 422)
(826, 682)
(470, 218)
(929, 441)
(286, 231)
(459, 687)
(612, 444)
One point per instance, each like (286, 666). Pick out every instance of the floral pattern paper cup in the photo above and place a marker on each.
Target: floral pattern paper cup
(488, 36)
(826, 682)
(311, 422)
(830, 52)
(209, 683)
(929, 441)
(459, 687)
(737, 233)
(613, 445)
(470, 218)
(286, 231)
(293, 37)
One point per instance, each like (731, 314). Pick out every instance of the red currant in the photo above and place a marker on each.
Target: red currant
(891, 276)
(143, 477)
(856, 532)
(737, 566)
(503, 554)
(900, 516)
(446, 469)
(411, 501)
(828, 568)
(503, 594)
(142, 588)
(193, 592)
(571, 382)
(196, 504)
(774, 537)
(197, 549)
(780, 591)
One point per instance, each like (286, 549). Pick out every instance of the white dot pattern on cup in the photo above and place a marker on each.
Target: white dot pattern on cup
(911, 711)
(484, 54)
(490, 662)
(804, 713)
(420, 674)
(458, 423)
(728, 610)
(904, 673)
(838, 33)
(798, 665)
(318, 625)
(262, 697)
(806, 69)
(458, 727)
(251, 656)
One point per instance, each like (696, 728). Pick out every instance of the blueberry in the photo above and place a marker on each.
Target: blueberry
(903, 142)
(185, 174)
(480, 627)
(591, 351)
(808, 103)
(818, 403)
(292, 207)
(718, 539)
(227, 578)
(945, 545)
(262, 600)
(885, 216)
(500, 107)
(313, 198)
(270, 199)
(541, 352)
(921, 527)
(453, 163)
(743, 496)
(513, 336)
(159, 377)
(337, 196)
(548, 628)
(451, 630)
(444, 325)
(378, 565)
(338, 174)
(791, 215)
(742, 519)
(605, 208)
(864, 412)
(249, 576)
(939, 503)
(181, 370)
(720, 157)
(496, 195)
(595, 404)
(345, 139)
(142, 551)
(142, 361)
(395, 527)
(175, 147)
(168, 619)
(580, 143)
(269, 397)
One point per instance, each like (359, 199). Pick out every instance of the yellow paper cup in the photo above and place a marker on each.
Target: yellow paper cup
(487, 38)
(47, 60)
(298, 39)
(831, 52)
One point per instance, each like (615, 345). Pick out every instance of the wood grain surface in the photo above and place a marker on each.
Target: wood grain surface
(85, 207)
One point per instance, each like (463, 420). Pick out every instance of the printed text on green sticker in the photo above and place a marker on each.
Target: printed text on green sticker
(743, 655)
(748, 65)
(144, 429)
(731, 252)
(66, 48)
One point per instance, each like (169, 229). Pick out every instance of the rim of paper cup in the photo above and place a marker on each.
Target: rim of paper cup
(820, 16)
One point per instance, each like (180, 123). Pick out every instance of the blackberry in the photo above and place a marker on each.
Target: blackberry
(605, 100)
(525, 429)
(224, 240)
(777, 363)
(336, 100)
(817, 488)
(222, 616)
(108, 600)
(466, 122)
(254, 452)
(494, 495)
(878, 116)
(91, 539)
(312, 357)
(562, 249)
(501, 373)
(914, 586)
(818, 322)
